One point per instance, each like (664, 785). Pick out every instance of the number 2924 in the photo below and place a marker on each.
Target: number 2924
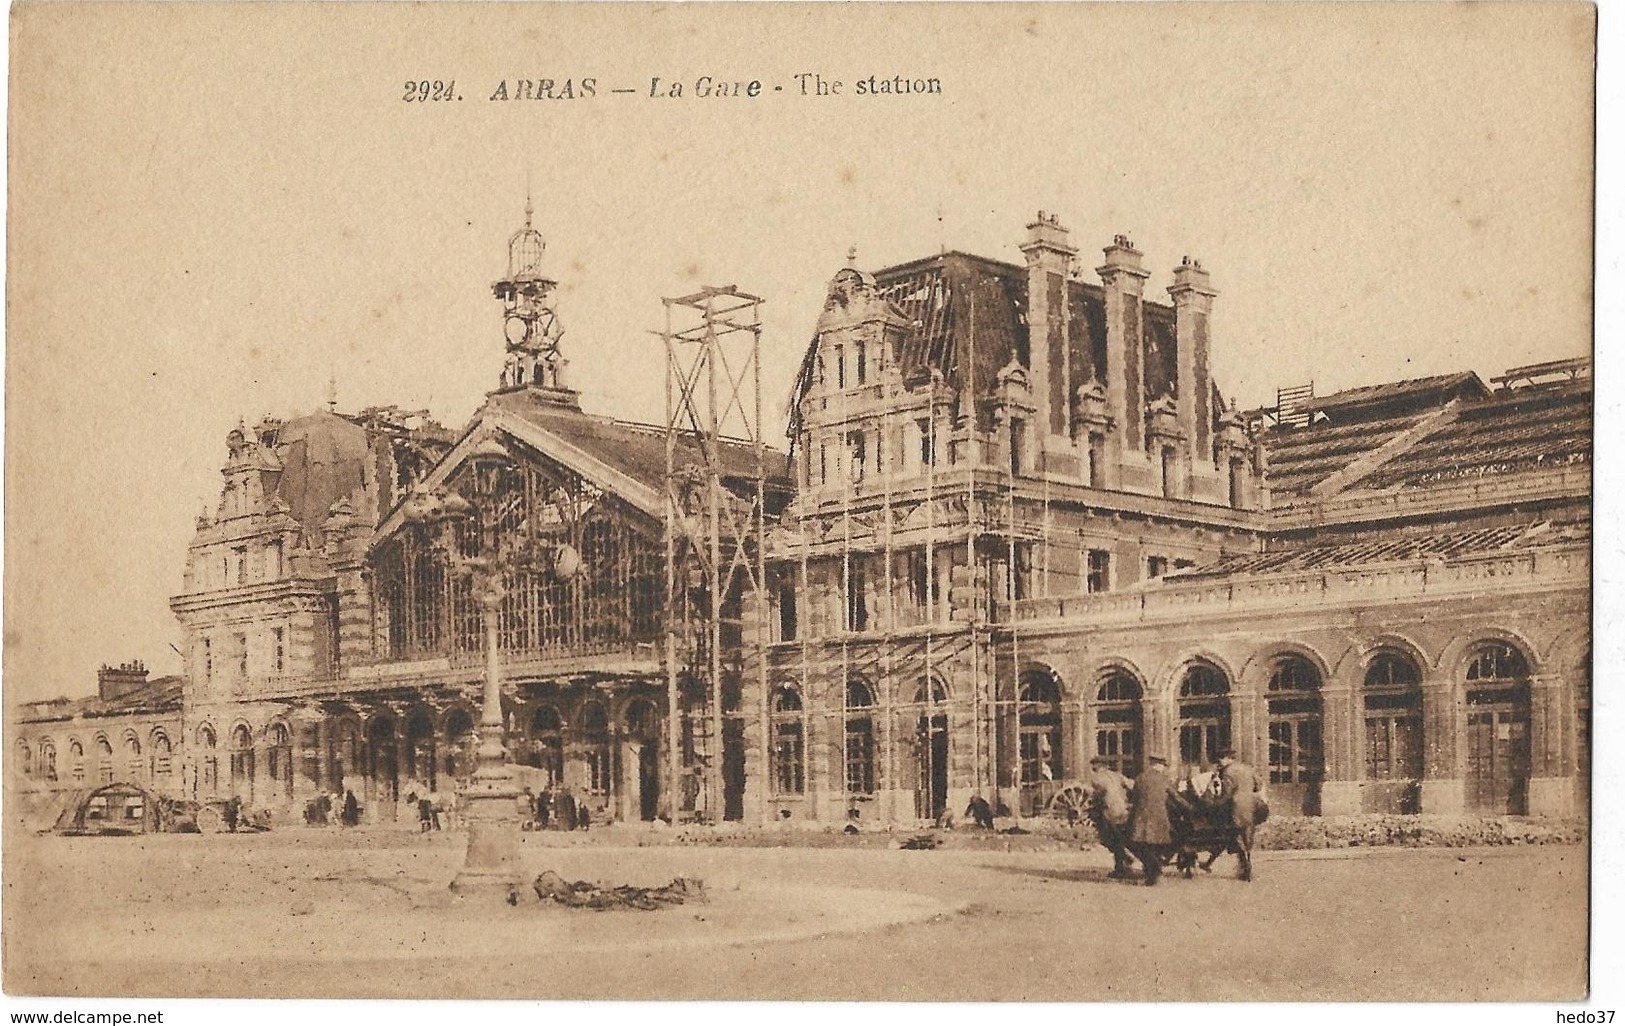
(426, 91)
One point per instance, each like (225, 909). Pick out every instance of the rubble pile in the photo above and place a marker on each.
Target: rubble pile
(550, 886)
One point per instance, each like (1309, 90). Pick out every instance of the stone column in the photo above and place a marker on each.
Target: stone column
(1444, 784)
(1076, 749)
(306, 756)
(1551, 719)
(1159, 717)
(1339, 730)
(1248, 716)
(324, 753)
(626, 779)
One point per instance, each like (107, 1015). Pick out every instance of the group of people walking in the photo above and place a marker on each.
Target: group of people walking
(319, 811)
(556, 808)
(1153, 816)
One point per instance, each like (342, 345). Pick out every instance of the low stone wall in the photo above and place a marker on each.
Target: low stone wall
(1420, 831)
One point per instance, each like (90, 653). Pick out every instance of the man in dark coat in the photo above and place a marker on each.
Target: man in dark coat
(1108, 811)
(1150, 832)
(1242, 787)
(980, 812)
(544, 808)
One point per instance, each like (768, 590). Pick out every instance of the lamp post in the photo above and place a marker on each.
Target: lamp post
(490, 803)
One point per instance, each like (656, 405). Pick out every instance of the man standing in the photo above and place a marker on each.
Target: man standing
(1150, 834)
(1242, 786)
(1108, 811)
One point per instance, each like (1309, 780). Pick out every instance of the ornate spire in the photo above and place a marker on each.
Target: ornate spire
(530, 322)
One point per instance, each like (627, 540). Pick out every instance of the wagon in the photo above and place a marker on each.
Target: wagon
(1071, 802)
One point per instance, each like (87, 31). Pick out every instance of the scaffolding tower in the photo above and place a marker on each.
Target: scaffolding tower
(715, 529)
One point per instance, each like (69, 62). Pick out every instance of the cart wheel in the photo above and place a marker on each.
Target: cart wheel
(209, 820)
(1071, 803)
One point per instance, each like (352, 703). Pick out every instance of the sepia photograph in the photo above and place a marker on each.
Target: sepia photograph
(798, 502)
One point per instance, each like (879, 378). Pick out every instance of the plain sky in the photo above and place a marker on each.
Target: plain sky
(214, 211)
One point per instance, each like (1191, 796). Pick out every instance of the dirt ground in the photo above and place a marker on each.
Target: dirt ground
(367, 914)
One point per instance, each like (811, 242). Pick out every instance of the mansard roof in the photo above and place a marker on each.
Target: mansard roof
(324, 459)
(968, 318)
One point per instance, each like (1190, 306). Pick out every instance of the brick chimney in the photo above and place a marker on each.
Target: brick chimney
(1193, 304)
(1049, 263)
(1123, 277)
(117, 681)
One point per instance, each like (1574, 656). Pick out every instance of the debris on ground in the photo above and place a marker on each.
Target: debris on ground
(920, 842)
(550, 886)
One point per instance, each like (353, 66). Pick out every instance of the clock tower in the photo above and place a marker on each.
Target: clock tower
(531, 327)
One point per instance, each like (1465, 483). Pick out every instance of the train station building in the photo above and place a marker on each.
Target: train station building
(1018, 524)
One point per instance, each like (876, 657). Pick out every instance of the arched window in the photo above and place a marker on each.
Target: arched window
(47, 758)
(242, 762)
(163, 756)
(1498, 749)
(25, 755)
(789, 776)
(931, 749)
(643, 722)
(1204, 714)
(134, 766)
(1039, 704)
(420, 748)
(76, 762)
(104, 760)
(459, 744)
(547, 730)
(1296, 752)
(279, 758)
(1497, 661)
(208, 767)
(383, 777)
(595, 732)
(641, 773)
(860, 738)
(1117, 721)
(1393, 718)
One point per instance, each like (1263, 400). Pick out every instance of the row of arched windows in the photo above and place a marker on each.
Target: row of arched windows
(1497, 695)
(787, 753)
(134, 763)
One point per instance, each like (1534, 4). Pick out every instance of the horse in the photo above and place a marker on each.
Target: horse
(1209, 827)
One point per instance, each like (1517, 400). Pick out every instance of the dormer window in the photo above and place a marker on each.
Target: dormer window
(840, 367)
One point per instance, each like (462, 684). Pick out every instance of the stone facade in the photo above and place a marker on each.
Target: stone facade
(1019, 527)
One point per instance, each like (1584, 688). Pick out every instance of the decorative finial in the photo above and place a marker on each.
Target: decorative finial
(852, 255)
(332, 392)
(528, 208)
